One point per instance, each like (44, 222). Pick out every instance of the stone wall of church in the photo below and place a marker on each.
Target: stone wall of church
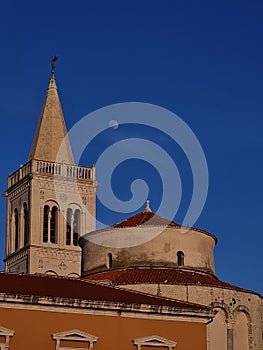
(147, 246)
(236, 311)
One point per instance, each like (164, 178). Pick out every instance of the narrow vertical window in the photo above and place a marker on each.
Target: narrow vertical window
(45, 223)
(53, 225)
(16, 230)
(109, 261)
(76, 226)
(68, 228)
(180, 258)
(26, 227)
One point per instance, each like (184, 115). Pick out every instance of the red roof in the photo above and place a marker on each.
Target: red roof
(52, 286)
(160, 275)
(146, 218)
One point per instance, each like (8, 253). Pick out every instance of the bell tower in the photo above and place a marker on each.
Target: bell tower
(50, 200)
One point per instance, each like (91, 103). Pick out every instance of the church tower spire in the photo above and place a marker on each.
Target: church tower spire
(51, 130)
(50, 202)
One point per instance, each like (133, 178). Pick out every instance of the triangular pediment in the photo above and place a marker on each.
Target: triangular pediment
(154, 340)
(75, 334)
(6, 332)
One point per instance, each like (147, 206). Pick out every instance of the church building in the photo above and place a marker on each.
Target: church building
(76, 289)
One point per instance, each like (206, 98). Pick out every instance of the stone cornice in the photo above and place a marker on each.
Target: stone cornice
(70, 305)
(165, 227)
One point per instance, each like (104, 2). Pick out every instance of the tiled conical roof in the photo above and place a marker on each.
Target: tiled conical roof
(145, 218)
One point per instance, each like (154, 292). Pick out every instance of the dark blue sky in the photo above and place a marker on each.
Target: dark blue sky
(200, 59)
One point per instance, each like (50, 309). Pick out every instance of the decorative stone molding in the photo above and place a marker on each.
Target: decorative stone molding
(81, 306)
(51, 169)
(18, 191)
(6, 333)
(74, 335)
(62, 266)
(57, 253)
(62, 197)
(223, 306)
(18, 256)
(154, 341)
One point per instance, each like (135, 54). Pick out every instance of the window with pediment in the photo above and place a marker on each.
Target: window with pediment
(154, 341)
(74, 339)
(5, 335)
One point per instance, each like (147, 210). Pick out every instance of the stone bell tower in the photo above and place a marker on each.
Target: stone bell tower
(50, 200)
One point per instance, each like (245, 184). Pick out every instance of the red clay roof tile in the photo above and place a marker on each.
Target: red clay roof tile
(159, 275)
(146, 218)
(51, 286)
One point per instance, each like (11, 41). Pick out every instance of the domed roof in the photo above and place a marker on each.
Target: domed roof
(146, 218)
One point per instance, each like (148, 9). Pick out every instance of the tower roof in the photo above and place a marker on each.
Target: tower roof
(51, 130)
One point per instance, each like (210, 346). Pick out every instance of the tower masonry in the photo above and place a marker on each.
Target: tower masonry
(50, 201)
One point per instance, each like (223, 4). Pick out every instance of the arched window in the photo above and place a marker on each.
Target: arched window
(45, 223)
(68, 228)
(51, 272)
(53, 225)
(26, 228)
(241, 331)
(76, 226)
(16, 230)
(109, 261)
(217, 330)
(180, 258)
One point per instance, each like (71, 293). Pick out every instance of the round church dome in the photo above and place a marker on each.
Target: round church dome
(147, 240)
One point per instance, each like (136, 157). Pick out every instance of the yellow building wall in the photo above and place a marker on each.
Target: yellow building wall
(34, 329)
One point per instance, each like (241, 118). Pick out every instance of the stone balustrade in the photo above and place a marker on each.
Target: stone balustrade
(51, 169)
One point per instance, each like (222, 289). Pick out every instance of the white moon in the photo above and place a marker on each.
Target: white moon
(113, 124)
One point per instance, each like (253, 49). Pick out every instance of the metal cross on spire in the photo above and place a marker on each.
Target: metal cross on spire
(53, 60)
